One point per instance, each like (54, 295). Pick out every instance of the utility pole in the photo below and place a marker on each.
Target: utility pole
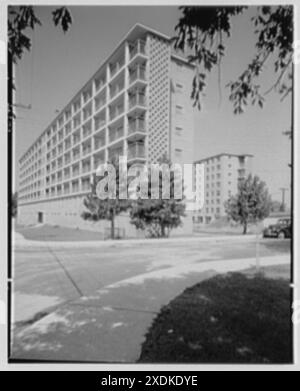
(283, 190)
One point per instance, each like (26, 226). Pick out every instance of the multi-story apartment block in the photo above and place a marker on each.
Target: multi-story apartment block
(216, 179)
(137, 104)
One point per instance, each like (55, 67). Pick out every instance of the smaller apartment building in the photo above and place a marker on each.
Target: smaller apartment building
(216, 179)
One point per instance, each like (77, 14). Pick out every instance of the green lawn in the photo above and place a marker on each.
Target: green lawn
(231, 318)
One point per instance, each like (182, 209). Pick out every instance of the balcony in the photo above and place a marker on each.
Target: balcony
(67, 174)
(116, 67)
(75, 171)
(87, 113)
(66, 189)
(75, 187)
(99, 142)
(67, 159)
(98, 160)
(99, 123)
(87, 130)
(87, 95)
(137, 101)
(139, 47)
(136, 129)
(76, 139)
(116, 89)
(76, 155)
(99, 103)
(60, 150)
(59, 178)
(137, 73)
(137, 125)
(99, 83)
(136, 151)
(76, 122)
(59, 192)
(86, 149)
(116, 134)
(68, 129)
(114, 154)
(116, 111)
(86, 168)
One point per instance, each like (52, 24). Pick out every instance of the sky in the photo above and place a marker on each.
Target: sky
(58, 65)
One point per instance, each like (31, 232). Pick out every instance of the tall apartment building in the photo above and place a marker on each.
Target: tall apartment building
(137, 104)
(216, 179)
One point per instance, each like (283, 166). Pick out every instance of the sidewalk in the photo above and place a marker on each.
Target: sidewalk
(110, 325)
(18, 240)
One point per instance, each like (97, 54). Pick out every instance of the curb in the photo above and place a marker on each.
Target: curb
(22, 242)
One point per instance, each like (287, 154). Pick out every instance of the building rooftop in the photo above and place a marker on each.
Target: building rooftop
(223, 154)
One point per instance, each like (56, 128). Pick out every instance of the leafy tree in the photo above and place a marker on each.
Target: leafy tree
(105, 209)
(22, 18)
(201, 30)
(158, 216)
(251, 204)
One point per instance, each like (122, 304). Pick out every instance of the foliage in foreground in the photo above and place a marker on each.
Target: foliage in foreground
(226, 319)
(205, 31)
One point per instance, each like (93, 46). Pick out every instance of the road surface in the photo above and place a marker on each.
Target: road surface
(63, 294)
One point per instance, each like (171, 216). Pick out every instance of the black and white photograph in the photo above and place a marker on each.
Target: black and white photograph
(151, 177)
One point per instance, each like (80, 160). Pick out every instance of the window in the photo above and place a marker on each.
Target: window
(179, 87)
(178, 152)
(179, 109)
(178, 131)
(179, 66)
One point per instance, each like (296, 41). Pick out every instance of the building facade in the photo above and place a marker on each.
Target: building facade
(137, 105)
(216, 179)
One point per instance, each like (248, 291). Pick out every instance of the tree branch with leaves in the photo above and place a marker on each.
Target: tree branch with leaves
(200, 30)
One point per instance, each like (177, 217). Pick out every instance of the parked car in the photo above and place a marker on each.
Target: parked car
(282, 229)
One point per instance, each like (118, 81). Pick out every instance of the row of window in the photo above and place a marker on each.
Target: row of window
(98, 83)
